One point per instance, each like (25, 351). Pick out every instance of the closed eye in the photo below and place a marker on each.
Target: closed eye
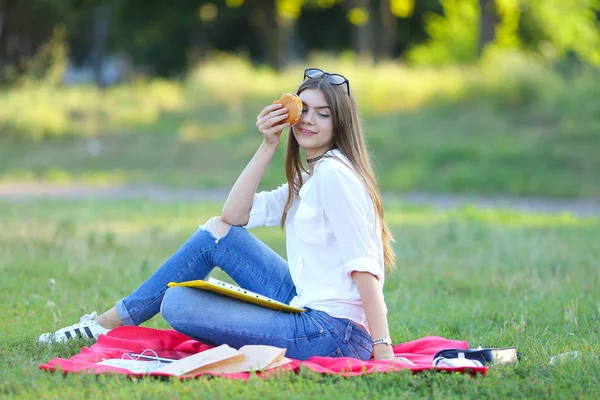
(304, 110)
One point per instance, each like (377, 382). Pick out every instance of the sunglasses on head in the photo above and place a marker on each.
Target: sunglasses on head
(334, 79)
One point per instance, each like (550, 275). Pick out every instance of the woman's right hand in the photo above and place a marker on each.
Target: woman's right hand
(269, 123)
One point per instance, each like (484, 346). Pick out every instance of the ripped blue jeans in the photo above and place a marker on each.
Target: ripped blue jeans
(216, 319)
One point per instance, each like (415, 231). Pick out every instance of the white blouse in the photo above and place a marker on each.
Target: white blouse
(331, 230)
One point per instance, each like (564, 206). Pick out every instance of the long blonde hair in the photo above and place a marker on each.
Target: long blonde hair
(349, 139)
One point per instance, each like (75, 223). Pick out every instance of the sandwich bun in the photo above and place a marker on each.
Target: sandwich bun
(292, 102)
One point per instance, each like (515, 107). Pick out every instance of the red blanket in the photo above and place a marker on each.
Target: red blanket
(138, 339)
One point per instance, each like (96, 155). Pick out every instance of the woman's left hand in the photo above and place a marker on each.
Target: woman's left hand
(399, 359)
(383, 352)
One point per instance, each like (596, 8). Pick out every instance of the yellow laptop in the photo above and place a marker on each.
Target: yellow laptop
(226, 289)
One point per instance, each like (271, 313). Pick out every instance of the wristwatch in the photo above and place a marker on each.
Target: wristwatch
(383, 340)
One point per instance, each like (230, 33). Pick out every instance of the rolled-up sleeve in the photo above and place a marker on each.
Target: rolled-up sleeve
(267, 207)
(347, 205)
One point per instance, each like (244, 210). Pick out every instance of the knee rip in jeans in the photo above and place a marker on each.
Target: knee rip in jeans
(217, 228)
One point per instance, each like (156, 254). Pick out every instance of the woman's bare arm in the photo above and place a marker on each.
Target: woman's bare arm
(236, 210)
(375, 310)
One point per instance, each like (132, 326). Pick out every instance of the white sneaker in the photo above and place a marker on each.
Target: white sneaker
(87, 327)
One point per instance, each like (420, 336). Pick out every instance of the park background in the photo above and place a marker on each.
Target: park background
(124, 122)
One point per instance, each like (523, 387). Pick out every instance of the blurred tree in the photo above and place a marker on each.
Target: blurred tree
(48, 65)
(101, 25)
(333, 31)
(274, 20)
(411, 29)
(360, 14)
(155, 33)
(452, 36)
(171, 36)
(6, 7)
(559, 29)
(166, 38)
(487, 23)
(26, 26)
(555, 28)
(386, 27)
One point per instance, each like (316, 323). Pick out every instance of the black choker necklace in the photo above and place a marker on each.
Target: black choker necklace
(309, 160)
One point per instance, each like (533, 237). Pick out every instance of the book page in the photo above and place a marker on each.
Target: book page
(256, 358)
(261, 358)
(214, 357)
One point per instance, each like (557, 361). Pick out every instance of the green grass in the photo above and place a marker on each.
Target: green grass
(493, 278)
(505, 126)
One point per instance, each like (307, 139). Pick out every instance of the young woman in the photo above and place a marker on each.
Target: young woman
(337, 245)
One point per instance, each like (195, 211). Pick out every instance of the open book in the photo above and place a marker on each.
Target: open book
(217, 286)
(224, 359)
(221, 359)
